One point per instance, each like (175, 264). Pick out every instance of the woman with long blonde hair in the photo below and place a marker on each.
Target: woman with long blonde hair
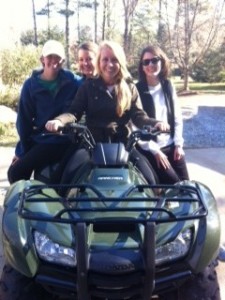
(122, 78)
(110, 101)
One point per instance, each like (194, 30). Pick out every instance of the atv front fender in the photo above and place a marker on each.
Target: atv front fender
(17, 237)
(206, 245)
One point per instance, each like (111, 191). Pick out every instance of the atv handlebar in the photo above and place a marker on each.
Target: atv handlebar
(78, 131)
(148, 133)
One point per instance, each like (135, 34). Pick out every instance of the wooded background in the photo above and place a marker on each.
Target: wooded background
(191, 32)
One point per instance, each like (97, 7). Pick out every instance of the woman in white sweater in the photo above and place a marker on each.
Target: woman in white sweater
(159, 100)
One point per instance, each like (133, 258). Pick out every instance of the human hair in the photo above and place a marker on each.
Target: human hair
(122, 89)
(165, 63)
(89, 46)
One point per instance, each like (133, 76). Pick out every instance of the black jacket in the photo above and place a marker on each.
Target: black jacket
(148, 104)
(99, 105)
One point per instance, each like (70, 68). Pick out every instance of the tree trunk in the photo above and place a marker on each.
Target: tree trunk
(78, 20)
(103, 19)
(194, 31)
(67, 34)
(48, 16)
(129, 8)
(35, 24)
(96, 18)
(186, 80)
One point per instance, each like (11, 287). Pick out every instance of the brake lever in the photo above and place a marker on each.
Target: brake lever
(154, 131)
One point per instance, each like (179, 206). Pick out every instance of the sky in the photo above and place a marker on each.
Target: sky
(15, 16)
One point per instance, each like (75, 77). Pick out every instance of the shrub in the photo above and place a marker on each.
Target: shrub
(222, 75)
(8, 135)
(17, 64)
(211, 68)
(9, 96)
(27, 37)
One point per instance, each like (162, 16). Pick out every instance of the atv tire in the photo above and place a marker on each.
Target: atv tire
(15, 286)
(201, 287)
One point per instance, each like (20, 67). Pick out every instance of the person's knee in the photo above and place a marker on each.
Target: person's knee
(10, 174)
(79, 158)
(17, 172)
(13, 174)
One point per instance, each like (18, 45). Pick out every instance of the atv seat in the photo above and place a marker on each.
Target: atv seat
(110, 154)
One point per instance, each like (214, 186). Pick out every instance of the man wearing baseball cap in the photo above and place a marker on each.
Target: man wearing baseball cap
(52, 59)
(45, 95)
(53, 47)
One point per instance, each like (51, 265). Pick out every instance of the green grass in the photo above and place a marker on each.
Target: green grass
(200, 86)
(206, 87)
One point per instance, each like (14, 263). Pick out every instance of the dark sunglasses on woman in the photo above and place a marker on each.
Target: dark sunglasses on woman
(152, 61)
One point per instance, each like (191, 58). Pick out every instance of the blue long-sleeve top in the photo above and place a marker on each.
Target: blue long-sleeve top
(37, 105)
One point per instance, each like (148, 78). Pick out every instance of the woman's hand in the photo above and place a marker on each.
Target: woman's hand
(53, 125)
(178, 153)
(162, 160)
(163, 126)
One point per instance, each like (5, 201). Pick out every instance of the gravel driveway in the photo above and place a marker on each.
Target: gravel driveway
(204, 120)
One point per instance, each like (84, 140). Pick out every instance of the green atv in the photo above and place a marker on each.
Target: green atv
(109, 235)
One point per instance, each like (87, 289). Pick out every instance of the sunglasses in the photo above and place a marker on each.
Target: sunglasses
(152, 61)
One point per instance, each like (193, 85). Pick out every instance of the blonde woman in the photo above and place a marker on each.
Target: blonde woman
(110, 101)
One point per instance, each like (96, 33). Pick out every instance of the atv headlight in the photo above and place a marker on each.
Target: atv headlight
(53, 252)
(175, 249)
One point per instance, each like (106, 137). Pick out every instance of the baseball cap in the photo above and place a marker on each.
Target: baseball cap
(53, 47)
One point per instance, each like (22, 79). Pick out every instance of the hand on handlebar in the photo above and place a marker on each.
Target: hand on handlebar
(53, 125)
(162, 126)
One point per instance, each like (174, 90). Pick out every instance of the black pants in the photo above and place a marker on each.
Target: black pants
(39, 156)
(178, 170)
(143, 165)
(76, 159)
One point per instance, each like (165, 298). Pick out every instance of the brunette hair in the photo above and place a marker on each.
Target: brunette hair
(122, 89)
(165, 63)
(89, 46)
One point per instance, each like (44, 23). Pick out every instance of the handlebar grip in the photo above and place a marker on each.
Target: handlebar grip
(60, 128)
(72, 128)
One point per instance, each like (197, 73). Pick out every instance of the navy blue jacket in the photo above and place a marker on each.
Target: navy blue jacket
(37, 105)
